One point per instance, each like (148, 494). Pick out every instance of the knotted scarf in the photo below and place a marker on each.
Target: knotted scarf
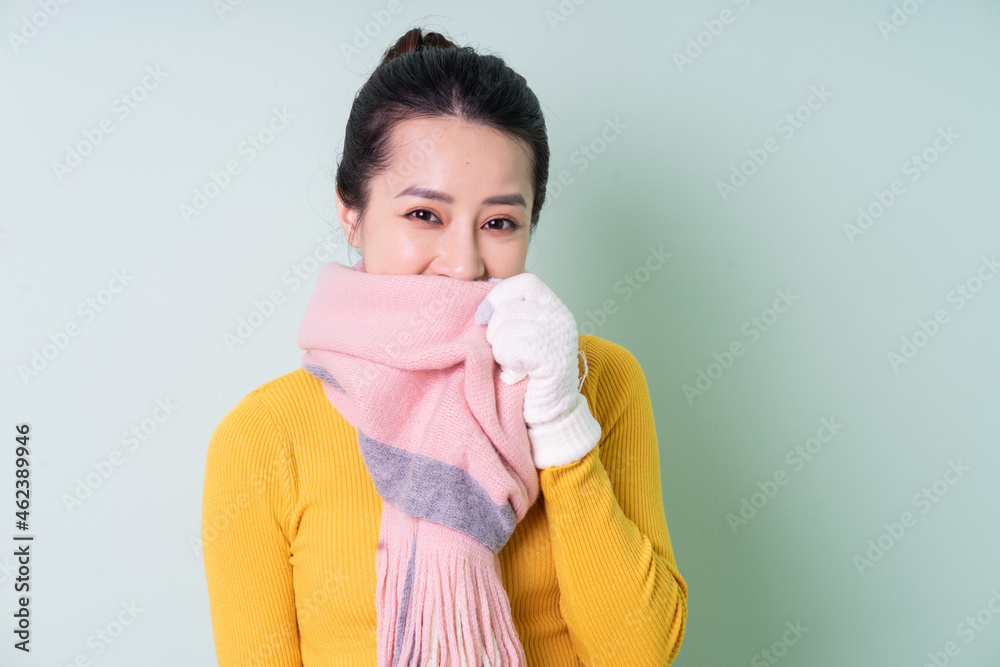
(444, 440)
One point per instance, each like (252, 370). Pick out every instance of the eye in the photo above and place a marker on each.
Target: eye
(513, 223)
(420, 210)
(413, 215)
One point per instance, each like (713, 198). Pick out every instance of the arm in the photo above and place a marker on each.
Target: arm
(621, 594)
(246, 500)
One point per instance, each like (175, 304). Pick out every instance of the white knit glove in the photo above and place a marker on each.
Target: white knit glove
(533, 333)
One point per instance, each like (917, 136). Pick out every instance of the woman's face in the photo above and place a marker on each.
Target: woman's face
(456, 201)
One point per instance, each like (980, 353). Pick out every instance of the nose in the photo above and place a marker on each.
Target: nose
(458, 254)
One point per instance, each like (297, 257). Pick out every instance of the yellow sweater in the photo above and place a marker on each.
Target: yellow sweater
(290, 523)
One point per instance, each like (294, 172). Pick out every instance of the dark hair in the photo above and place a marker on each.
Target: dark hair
(428, 76)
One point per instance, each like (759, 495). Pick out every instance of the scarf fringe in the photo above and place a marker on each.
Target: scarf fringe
(454, 605)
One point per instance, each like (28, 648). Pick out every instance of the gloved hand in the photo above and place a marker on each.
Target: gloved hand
(534, 334)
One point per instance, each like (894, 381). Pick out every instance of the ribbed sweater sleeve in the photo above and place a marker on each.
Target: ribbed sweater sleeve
(621, 595)
(247, 498)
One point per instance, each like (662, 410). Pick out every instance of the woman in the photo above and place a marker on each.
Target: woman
(443, 175)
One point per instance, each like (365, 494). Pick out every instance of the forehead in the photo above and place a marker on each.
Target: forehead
(447, 149)
(445, 134)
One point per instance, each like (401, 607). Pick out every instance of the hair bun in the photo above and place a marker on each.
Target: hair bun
(416, 40)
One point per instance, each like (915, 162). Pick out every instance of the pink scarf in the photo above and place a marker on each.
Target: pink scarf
(444, 440)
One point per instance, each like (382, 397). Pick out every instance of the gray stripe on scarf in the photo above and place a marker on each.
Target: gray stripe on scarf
(323, 375)
(403, 616)
(434, 490)
(437, 491)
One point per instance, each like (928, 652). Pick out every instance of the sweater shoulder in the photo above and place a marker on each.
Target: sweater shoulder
(277, 417)
(613, 378)
(290, 397)
(607, 360)
(251, 459)
(292, 386)
(603, 348)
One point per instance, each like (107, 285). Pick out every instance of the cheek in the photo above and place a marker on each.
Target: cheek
(398, 248)
(506, 258)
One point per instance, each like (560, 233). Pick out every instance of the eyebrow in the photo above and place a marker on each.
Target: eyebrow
(514, 199)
